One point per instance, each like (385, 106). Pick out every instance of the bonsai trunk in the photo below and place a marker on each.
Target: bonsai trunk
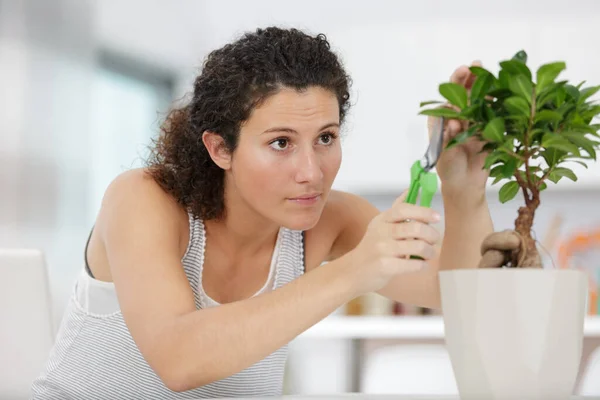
(528, 255)
(517, 247)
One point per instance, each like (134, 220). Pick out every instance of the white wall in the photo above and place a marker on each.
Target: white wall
(396, 51)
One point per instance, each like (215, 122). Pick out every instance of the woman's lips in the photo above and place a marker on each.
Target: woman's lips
(308, 199)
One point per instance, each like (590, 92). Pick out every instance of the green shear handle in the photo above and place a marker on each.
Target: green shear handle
(421, 180)
(420, 177)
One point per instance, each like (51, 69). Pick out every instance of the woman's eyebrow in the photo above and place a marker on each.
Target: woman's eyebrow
(291, 130)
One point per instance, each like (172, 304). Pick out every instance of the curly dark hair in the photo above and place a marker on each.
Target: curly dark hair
(235, 79)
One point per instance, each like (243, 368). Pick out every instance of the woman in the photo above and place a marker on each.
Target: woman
(202, 266)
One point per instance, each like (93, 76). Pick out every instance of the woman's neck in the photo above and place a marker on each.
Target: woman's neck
(242, 231)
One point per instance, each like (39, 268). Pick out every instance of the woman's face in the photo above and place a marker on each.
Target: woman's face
(288, 156)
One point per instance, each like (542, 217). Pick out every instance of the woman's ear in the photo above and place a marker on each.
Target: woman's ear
(217, 149)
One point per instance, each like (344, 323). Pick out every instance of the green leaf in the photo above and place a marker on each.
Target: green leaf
(517, 105)
(536, 135)
(553, 140)
(566, 109)
(494, 157)
(521, 56)
(470, 111)
(549, 94)
(560, 172)
(582, 142)
(497, 171)
(521, 86)
(488, 147)
(481, 86)
(488, 112)
(514, 67)
(427, 103)
(500, 93)
(508, 191)
(548, 116)
(498, 179)
(584, 128)
(509, 168)
(460, 138)
(553, 156)
(516, 125)
(572, 92)
(456, 94)
(561, 95)
(543, 186)
(494, 130)
(503, 76)
(547, 73)
(442, 112)
(479, 71)
(586, 93)
(578, 162)
(591, 112)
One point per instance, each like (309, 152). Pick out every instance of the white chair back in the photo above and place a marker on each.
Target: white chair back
(26, 331)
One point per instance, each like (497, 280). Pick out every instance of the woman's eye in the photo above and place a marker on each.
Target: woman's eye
(279, 144)
(327, 138)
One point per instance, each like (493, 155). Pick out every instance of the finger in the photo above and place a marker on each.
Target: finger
(412, 266)
(400, 199)
(407, 248)
(460, 75)
(399, 266)
(413, 230)
(404, 211)
(453, 128)
(472, 77)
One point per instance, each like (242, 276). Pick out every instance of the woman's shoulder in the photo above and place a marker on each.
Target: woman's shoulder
(137, 186)
(134, 195)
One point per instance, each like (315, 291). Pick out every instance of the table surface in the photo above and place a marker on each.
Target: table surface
(347, 396)
(399, 327)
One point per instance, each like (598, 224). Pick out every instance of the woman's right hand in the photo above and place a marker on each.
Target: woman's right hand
(390, 239)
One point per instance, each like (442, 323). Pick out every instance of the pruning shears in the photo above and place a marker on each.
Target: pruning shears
(421, 179)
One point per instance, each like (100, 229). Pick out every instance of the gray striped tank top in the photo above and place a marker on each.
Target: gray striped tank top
(95, 357)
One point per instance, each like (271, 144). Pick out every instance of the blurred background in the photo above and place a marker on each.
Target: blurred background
(84, 86)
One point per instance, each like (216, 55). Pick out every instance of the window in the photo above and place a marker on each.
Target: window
(129, 100)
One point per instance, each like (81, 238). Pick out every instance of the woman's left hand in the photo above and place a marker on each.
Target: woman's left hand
(460, 168)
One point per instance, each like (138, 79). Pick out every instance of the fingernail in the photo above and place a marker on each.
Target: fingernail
(436, 216)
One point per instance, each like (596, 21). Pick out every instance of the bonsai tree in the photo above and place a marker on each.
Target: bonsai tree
(531, 129)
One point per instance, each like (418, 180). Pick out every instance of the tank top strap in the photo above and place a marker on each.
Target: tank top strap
(291, 261)
(289, 257)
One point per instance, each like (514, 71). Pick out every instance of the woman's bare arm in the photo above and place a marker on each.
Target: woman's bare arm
(186, 347)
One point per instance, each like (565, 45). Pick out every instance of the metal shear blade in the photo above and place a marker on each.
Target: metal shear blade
(436, 143)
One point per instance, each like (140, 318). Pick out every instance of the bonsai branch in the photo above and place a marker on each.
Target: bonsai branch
(545, 176)
(513, 154)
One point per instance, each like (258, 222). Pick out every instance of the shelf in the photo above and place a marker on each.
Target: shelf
(398, 327)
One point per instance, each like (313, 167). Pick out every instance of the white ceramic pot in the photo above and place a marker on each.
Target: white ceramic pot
(514, 333)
